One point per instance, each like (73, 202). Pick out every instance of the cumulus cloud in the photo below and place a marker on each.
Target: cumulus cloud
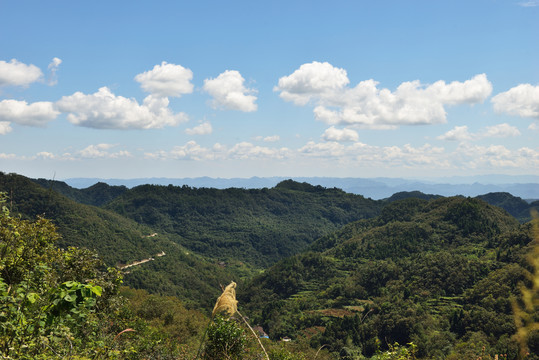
(461, 133)
(243, 150)
(376, 156)
(15, 73)
(368, 156)
(312, 81)
(22, 113)
(501, 131)
(340, 135)
(102, 151)
(104, 110)
(521, 100)
(98, 151)
(45, 155)
(333, 149)
(5, 127)
(190, 151)
(228, 92)
(166, 80)
(5, 156)
(533, 127)
(53, 68)
(246, 150)
(202, 129)
(365, 105)
(497, 156)
(272, 138)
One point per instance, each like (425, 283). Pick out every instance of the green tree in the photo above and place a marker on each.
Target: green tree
(51, 300)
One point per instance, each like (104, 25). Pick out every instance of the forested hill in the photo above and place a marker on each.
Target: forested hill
(98, 194)
(256, 226)
(514, 205)
(437, 273)
(119, 240)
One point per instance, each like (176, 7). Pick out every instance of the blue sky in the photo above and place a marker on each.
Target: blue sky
(130, 89)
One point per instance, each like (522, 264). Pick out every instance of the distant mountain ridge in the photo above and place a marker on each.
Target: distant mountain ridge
(525, 187)
(100, 193)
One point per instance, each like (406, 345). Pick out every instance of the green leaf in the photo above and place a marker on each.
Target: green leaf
(32, 297)
(96, 289)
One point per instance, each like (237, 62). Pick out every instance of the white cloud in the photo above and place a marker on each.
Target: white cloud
(5, 156)
(5, 127)
(533, 127)
(472, 91)
(45, 155)
(330, 149)
(366, 105)
(340, 135)
(272, 138)
(501, 131)
(102, 151)
(311, 81)
(521, 100)
(531, 3)
(97, 151)
(409, 156)
(22, 113)
(202, 129)
(166, 80)
(15, 73)
(497, 156)
(104, 110)
(53, 68)
(376, 156)
(228, 92)
(190, 151)
(193, 151)
(54, 64)
(459, 133)
(246, 150)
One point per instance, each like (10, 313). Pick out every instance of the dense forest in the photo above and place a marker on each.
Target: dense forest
(439, 274)
(119, 241)
(414, 276)
(255, 226)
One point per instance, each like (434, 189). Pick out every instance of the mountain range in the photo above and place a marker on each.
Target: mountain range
(323, 266)
(526, 187)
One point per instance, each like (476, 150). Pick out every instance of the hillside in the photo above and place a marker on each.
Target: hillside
(256, 226)
(352, 274)
(514, 205)
(98, 194)
(437, 273)
(118, 241)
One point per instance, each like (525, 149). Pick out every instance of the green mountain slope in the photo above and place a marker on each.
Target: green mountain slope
(438, 273)
(120, 241)
(514, 205)
(257, 227)
(97, 194)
